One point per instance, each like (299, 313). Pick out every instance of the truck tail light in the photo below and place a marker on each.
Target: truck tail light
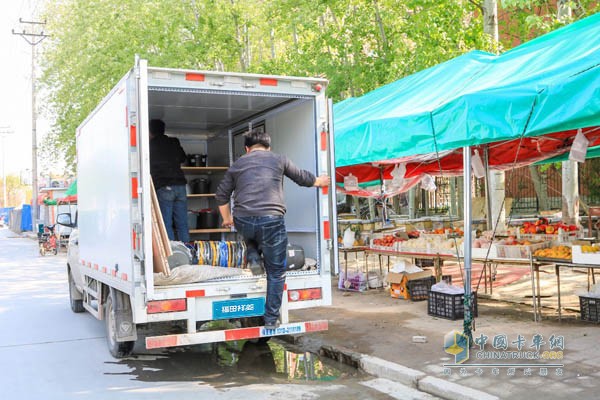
(161, 306)
(304, 294)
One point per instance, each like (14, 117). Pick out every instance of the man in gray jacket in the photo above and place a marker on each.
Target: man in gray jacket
(256, 182)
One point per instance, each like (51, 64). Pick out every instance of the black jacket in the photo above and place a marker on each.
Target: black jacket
(166, 157)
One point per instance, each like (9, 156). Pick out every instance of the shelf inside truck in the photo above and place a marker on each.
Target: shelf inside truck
(202, 170)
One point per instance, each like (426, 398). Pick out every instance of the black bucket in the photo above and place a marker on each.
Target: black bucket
(201, 186)
(208, 219)
(196, 160)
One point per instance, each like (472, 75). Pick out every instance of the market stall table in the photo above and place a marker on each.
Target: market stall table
(437, 258)
(591, 278)
(345, 251)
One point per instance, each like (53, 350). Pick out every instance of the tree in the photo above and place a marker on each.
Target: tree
(358, 45)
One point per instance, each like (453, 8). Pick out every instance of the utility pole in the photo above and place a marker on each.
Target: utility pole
(33, 39)
(4, 131)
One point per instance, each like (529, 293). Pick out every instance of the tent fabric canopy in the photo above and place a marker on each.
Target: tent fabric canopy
(519, 107)
(592, 152)
(70, 194)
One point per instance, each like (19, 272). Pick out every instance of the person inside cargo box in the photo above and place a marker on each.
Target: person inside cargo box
(256, 182)
(166, 157)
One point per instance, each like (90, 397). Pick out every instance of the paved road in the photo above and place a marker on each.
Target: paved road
(48, 352)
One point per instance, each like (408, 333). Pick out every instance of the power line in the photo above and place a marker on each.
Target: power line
(33, 38)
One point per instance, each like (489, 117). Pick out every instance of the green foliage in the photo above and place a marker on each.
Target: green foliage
(525, 19)
(358, 45)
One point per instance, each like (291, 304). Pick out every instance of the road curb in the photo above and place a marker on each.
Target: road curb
(407, 376)
(389, 370)
(451, 391)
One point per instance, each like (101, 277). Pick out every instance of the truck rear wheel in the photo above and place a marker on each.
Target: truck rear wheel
(76, 305)
(117, 349)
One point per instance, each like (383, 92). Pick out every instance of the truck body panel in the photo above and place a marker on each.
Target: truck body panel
(208, 112)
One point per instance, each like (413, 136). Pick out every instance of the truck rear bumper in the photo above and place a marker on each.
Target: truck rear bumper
(186, 339)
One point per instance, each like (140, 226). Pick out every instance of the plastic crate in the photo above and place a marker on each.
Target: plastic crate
(519, 251)
(448, 306)
(357, 282)
(590, 309)
(418, 289)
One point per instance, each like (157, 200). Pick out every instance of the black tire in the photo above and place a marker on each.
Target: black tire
(55, 251)
(76, 305)
(117, 349)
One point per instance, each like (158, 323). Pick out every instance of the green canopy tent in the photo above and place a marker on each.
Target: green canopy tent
(520, 107)
(70, 194)
(592, 152)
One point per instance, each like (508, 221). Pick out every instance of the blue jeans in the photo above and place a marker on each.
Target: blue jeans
(267, 235)
(173, 206)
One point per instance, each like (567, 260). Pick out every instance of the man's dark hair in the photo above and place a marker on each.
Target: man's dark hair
(257, 136)
(157, 127)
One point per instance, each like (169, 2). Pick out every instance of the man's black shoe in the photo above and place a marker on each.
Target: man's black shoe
(272, 326)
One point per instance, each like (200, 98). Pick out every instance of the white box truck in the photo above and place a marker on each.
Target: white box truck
(110, 263)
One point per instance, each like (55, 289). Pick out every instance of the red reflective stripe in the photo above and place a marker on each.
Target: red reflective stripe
(194, 77)
(268, 82)
(96, 267)
(161, 306)
(132, 136)
(195, 293)
(104, 269)
(241, 334)
(113, 272)
(326, 233)
(163, 341)
(133, 239)
(124, 276)
(313, 326)
(325, 189)
(323, 140)
(134, 187)
(285, 286)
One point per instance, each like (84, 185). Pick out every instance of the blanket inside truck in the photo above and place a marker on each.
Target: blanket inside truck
(196, 273)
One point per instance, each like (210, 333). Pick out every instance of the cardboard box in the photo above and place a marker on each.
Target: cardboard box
(398, 282)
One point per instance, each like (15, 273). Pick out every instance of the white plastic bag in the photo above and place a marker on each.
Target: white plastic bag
(428, 183)
(348, 239)
(579, 147)
(350, 183)
(398, 176)
(477, 165)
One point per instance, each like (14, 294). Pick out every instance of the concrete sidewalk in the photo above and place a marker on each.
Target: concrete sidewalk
(374, 331)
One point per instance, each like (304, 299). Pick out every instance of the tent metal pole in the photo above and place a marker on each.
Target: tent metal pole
(468, 232)
(488, 190)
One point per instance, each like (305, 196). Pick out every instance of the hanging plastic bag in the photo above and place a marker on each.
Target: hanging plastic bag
(428, 183)
(348, 239)
(579, 147)
(477, 165)
(350, 183)
(398, 176)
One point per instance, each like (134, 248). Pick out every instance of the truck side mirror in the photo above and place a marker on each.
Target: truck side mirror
(65, 220)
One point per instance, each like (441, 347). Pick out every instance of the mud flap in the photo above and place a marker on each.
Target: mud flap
(126, 330)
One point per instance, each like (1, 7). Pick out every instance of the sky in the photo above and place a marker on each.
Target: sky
(15, 88)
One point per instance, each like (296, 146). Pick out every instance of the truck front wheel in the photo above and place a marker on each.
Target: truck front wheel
(117, 349)
(76, 305)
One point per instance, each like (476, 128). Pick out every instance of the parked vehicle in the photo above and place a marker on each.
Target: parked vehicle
(47, 241)
(110, 263)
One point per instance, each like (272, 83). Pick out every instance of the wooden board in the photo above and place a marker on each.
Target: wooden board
(161, 248)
